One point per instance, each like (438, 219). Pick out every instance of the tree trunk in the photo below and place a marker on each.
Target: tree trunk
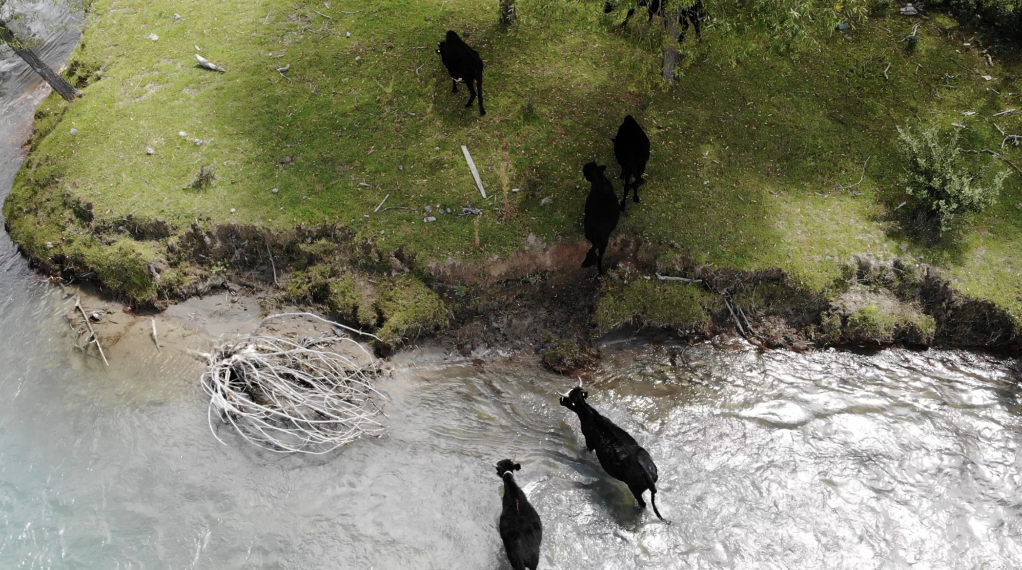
(58, 83)
(671, 51)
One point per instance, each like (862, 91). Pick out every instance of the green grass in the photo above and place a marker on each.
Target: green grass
(757, 163)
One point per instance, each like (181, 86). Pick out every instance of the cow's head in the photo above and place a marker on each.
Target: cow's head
(574, 397)
(440, 47)
(506, 465)
(593, 171)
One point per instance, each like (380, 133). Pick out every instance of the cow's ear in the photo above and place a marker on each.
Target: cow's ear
(518, 467)
(585, 394)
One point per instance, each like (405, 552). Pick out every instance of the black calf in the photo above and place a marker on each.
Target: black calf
(619, 454)
(520, 527)
(463, 64)
(631, 149)
(601, 214)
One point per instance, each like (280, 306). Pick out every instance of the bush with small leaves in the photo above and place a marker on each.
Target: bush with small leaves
(940, 180)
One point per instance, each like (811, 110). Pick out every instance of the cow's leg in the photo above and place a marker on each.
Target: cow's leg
(637, 492)
(472, 91)
(629, 15)
(683, 20)
(697, 15)
(625, 175)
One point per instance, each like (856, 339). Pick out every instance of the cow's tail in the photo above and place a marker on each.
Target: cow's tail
(652, 497)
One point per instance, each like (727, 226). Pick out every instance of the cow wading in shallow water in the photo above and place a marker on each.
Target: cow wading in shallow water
(619, 454)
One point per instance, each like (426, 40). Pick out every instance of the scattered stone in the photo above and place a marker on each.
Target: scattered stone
(198, 142)
(363, 185)
(400, 167)
(470, 211)
(154, 37)
(233, 210)
(908, 10)
(176, 16)
(347, 34)
(531, 240)
(287, 160)
(844, 26)
(429, 219)
(275, 190)
(74, 131)
(428, 209)
(358, 58)
(94, 316)
(987, 77)
(516, 190)
(49, 245)
(182, 134)
(448, 210)
(546, 201)
(150, 150)
(436, 148)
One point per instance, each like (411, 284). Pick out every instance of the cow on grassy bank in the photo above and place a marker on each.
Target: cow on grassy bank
(601, 214)
(693, 14)
(631, 149)
(619, 454)
(463, 64)
(520, 527)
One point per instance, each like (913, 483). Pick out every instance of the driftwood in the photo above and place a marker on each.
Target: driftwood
(294, 395)
(92, 334)
(475, 172)
(156, 339)
(58, 83)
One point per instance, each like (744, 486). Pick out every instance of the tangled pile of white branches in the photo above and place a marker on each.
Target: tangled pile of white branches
(293, 395)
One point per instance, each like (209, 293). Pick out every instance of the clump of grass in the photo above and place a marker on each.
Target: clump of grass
(205, 177)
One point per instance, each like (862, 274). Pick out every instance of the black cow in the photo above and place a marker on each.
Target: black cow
(631, 149)
(463, 64)
(520, 527)
(693, 13)
(620, 456)
(601, 214)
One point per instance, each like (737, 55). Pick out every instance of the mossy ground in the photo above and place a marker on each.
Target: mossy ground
(771, 161)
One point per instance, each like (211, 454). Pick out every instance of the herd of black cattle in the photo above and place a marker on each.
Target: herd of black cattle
(620, 456)
(631, 145)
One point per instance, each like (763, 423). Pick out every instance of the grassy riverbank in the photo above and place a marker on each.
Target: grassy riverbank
(765, 162)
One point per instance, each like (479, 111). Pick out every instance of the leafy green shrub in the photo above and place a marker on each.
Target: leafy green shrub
(1004, 16)
(938, 178)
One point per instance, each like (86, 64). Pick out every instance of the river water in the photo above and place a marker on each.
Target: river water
(767, 460)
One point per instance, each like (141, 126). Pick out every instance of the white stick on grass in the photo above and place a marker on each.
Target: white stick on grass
(472, 167)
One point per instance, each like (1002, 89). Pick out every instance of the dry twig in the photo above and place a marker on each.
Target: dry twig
(92, 333)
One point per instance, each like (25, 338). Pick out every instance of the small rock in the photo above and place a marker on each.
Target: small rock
(176, 16)
(74, 131)
(154, 37)
(94, 317)
(436, 148)
(429, 19)
(305, 197)
(233, 210)
(401, 167)
(358, 58)
(287, 160)
(347, 34)
(1018, 205)
(182, 134)
(908, 10)
(705, 182)
(198, 142)
(150, 150)
(531, 240)
(515, 190)
(275, 190)
(49, 245)
(429, 219)
(987, 77)
(448, 210)
(844, 26)
(428, 209)
(546, 201)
